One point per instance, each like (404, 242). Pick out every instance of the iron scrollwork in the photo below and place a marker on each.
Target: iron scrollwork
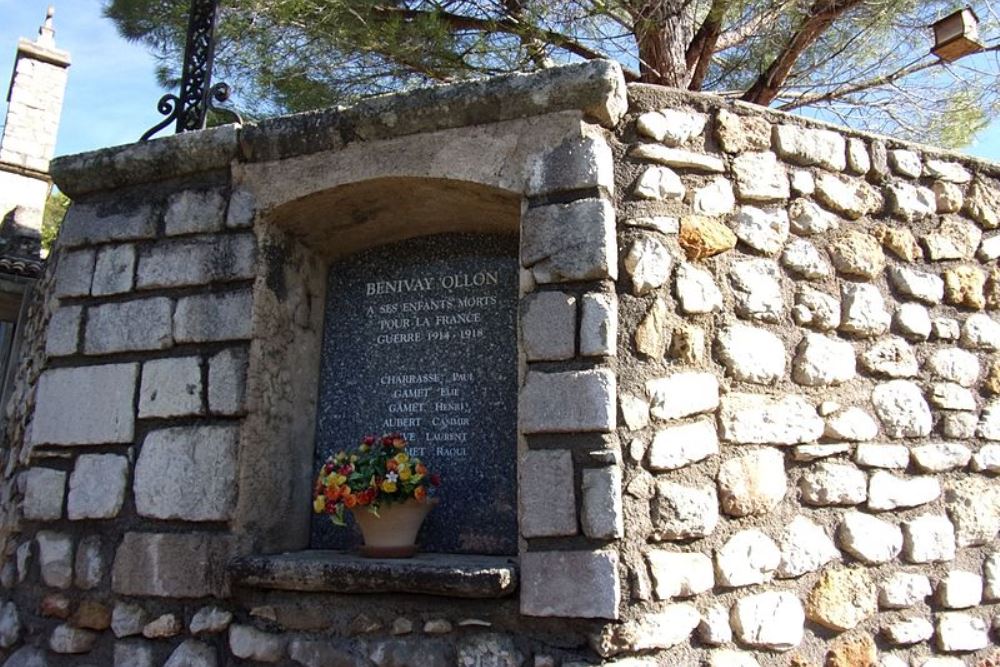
(190, 108)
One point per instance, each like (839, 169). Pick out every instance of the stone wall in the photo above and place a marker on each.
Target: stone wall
(807, 385)
(755, 410)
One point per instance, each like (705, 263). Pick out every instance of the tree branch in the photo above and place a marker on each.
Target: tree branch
(738, 35)
(699, 51)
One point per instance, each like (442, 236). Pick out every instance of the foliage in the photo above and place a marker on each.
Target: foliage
(377, 473)
(865, 63)
(55, 210)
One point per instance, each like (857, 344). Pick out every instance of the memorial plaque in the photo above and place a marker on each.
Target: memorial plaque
(420, 339)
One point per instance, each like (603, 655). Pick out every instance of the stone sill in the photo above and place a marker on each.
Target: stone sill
(448, 575)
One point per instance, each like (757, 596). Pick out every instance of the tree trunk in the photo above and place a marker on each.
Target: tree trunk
(663, 29)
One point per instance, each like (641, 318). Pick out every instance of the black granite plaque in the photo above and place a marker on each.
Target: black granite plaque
(420, 339)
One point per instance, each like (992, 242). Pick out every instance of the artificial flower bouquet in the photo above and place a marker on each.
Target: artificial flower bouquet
(378, 473)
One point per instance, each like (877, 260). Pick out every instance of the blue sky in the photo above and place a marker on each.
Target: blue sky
(112, 93)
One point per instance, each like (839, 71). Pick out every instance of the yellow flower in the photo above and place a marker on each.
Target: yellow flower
(339, 480)
(404, 473)
(319, 504)
(388, 487)
(402, 457)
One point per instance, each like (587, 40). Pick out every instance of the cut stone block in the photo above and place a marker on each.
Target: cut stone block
(570, 584)
(576, 401)
(69, 411)
(548, 500)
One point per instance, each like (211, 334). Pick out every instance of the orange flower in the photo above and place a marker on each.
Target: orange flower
(392, 465)
(398, 443)
(420, 469)
(420, 493)
(332, 492)
(350, 500)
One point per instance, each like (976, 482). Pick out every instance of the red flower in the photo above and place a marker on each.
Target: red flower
(346, 469)
(368, 440)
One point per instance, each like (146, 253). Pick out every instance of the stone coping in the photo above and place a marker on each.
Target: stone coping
(596, 88)
(448, 575)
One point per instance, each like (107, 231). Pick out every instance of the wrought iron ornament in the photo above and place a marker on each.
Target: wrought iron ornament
(190, 108)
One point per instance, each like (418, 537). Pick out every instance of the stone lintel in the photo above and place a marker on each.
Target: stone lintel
(29, 49)
(448, 575)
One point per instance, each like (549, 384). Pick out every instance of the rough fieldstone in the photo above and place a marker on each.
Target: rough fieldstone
(404, 652)
(696, 290)
(70, 412)
(888, 492)
(44, 489)
(659, 630)
(805, 547)
(857, 254)
(858, 161)
(252, 644)
(192, 211)
(891, 357)
(816, 309)
(128, 619)
(948, 197)
(853, 424)
(842, 599)
(741, 133)
(981, 332)
(833, 484)
(635, 412)
(973, 505)
(55, 558)
(566, 242)
(651, 334)
(681, 512)
(192, 653)
(989, 423)
(822, 361)
(751, 354)
(678, 446)
(851, 198)
(959, 425)
(665, 224)
(548, 501)
(957, 631)
(901, 408)
(756, 287)
(716, 198)
(805, 259)
(903, 589)
(941, 456)
(671, 126)
(97, 486)
(808, 453)
(807, 218)
(982, 204)
(964, 286)
(113, 270)
(928, 539)
(748, 557)
(954, 365)
(764, 230)
(753, 483)
(659, 183)
(802, 182)
(141, 324)
(714, 628)
(187, 473)
(863, 310)
(893, 457)
(687, 344)
(702, 237)
(548, 326)
(163, 626)
(601, 515)
(991, 577)
(869, 539)
(757, 419)
(213, 317)
(912, 321)
(598, 327)
(760, 177)
(570, 584)
(67, 639)
(679, 574)
(488, 650)
(573, 401)
(772, 620)
(954, 239)
(74, 273)
(91, 565)
(63, 334)
(908, 631)
(900, 241)
(170, 565)
(905, 163)
(952, 172)
(10, 623)
(210, 621)
(910, 202)
(678, 158)
(227, 381)
(987, 459)
(808, 147)
(648, 264)
(682, 395)
(960, 590)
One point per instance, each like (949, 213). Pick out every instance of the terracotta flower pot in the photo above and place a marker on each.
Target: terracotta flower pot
(392, 534)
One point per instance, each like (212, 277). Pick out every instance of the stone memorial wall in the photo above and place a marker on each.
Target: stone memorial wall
(747, 411)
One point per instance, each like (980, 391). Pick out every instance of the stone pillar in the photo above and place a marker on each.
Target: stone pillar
(35, 101)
